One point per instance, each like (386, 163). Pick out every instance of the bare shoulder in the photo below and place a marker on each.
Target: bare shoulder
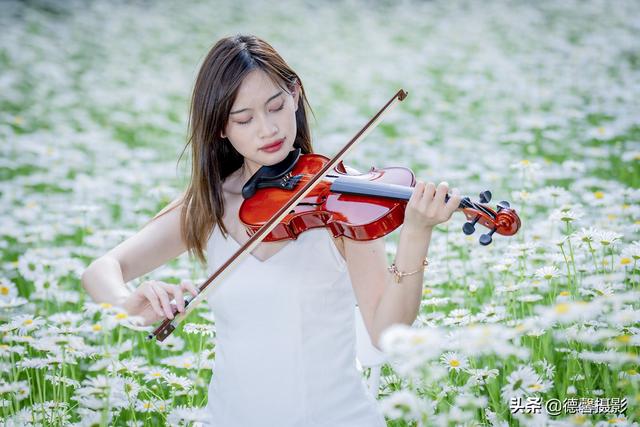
(360, 251)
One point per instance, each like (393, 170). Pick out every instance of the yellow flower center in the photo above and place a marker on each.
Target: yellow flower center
(155, 374)
(27, 322)
(598, 195)
(564, 293)
(562, 308)
(632, 372)
(105, 305)
(96, 328)
(625, 261)
(612, 216)
(623, 338)
(186, 365)
(417, 339)
(121, 316)
(4, 290)
(454, 363)
(525, 162)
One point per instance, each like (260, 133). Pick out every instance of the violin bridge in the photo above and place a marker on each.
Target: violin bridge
(288, 182)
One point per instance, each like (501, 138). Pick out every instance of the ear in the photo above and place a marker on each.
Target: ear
(295, 92)
(222, 134)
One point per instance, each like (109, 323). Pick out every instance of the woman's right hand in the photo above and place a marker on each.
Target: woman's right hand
(151, 300)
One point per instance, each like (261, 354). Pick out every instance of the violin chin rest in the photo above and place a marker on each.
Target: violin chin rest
(270, 173)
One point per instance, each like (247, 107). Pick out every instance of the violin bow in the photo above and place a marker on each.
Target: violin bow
(191, 302)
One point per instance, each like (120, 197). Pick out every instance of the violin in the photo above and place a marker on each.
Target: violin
(308, 191)
(361, 207)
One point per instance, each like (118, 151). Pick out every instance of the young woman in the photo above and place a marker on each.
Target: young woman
(285, 344)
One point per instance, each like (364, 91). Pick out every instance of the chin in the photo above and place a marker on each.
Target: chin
(283, 155)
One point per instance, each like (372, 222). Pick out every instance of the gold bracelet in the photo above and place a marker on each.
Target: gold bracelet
(400, 274)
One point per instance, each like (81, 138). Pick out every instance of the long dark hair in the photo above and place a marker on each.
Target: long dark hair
(213, 157)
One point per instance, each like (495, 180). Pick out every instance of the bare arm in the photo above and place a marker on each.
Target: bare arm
(382, 301)
(155, 244)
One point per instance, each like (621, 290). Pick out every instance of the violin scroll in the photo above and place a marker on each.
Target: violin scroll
(503, 220)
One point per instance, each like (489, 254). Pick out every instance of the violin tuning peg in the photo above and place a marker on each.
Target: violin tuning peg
(503, 204)
(485, 239)
(485, 196)
(469, 227)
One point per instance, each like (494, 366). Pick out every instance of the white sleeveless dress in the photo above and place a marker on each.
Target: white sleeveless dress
(285, 339)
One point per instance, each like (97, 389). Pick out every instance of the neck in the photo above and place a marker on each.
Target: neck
(247, 170)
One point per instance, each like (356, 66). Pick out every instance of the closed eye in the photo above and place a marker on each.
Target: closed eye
(273, 111)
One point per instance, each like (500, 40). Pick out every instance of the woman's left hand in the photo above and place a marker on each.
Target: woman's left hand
(426, 206)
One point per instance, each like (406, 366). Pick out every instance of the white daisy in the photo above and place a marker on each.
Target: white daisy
(402, 404)
(565, 215)
(608, 238)
(185, 415)
(454, 361)
(522, 382)
(26, 323)
(185, 361)
(8, 290)
(480, 376)
(200, 328)
(547, 272)
(155, 373)
(178, 381)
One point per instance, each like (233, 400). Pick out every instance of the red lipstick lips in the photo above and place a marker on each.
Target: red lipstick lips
(273, 146)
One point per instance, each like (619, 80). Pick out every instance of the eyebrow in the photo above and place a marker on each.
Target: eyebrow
(244, 109)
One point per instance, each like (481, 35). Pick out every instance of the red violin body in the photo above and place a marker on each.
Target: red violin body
(357, 217)
(362, 206)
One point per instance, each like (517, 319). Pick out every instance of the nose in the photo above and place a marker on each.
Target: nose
(267, 128)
